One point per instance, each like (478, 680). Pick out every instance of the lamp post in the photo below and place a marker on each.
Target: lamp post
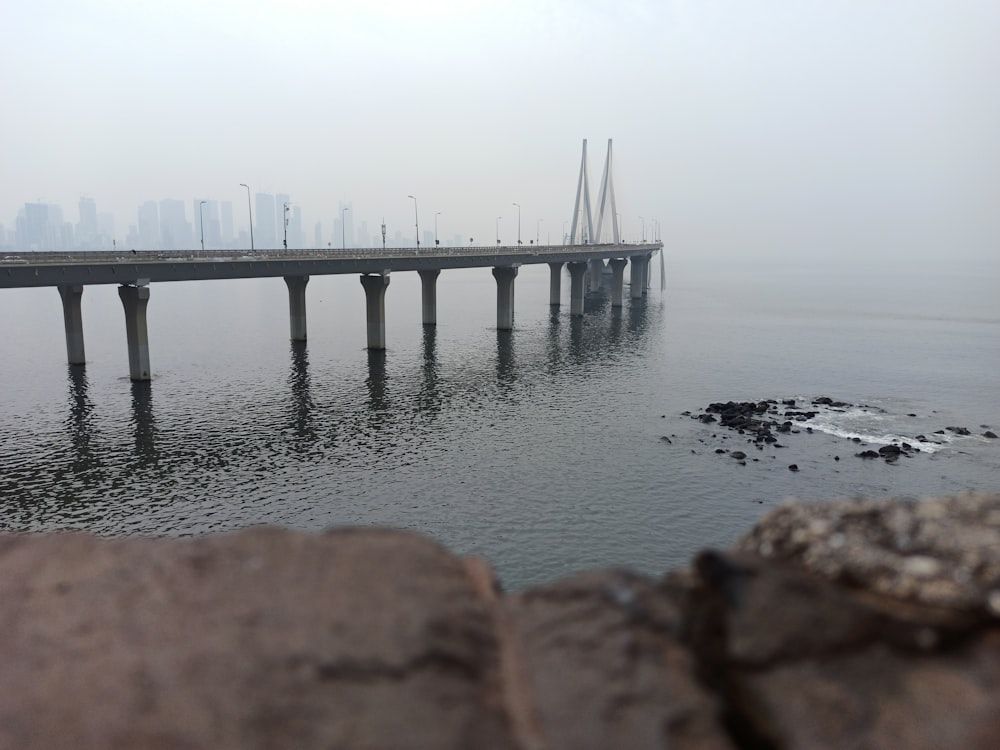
(498, 229)
(383, 234)
(538, 229)
(284, 220)
(416, 219)
(249, 211)
(436, 228)
(518, 222)
(643, 228)
(343, 227)
(564, 232)
(201, 221)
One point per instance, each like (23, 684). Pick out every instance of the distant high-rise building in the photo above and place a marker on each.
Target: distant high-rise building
(209, 213)
(175, 231)
(281, 217)
(149, 226)
(105, 230)
(348, 219)
(86, 228)
(40, 227)
(264, 233)
(227, 223)
(318, 235)
(296, 238)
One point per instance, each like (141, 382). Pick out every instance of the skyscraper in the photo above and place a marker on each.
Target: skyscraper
(86, 229)
(265, 233)
(149, 226)
(175, 231)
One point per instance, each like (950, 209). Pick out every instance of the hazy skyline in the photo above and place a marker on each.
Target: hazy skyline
(766, 128)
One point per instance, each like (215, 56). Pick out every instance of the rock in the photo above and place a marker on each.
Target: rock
(665, 439)
(959, 430)
(720, 450)
(990, 434)
(867, 454)
(260, 638)
(861, 623)
(793, 467)
(738, 455)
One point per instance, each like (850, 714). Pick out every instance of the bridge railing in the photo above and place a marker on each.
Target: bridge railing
(123, 256)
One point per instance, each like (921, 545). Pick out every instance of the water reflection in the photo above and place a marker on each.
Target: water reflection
(506, 365)
(80, 421)
(429, 398)
(378, 403)
(298, 386)
(143, 423)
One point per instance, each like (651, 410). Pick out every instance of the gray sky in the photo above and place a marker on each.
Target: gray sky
(746, 128)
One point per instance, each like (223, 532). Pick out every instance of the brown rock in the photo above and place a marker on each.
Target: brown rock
(603, 667)
(258, 639)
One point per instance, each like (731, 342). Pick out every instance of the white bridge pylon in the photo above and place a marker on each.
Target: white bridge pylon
(582, 230)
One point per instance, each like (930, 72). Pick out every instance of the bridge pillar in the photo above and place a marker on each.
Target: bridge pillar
(375, 286)
(577, 272)
(505, 296)
(649, 274)
(617, 280)
(71, 295)
(555, 283)
(297, 306)
(637, 276)
(596, 272)
(134, 300)
(428, 295)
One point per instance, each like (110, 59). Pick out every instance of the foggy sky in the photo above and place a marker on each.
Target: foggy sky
(765, 128)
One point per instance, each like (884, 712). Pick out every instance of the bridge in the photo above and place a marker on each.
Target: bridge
(134, 271)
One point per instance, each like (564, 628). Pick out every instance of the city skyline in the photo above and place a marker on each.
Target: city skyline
(808, 130)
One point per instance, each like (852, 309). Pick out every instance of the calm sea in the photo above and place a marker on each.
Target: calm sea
(541, 449)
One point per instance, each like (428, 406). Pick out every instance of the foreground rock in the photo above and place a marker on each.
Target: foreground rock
(854, 624)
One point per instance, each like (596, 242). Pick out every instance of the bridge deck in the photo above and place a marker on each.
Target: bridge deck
(128, 267)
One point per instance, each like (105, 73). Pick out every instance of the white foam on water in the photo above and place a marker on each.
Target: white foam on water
(867, 423)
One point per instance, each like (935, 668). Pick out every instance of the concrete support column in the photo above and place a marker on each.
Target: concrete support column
(505, 276)
(134, 300)
(637, 276)
(648, 265)
(577, 272)
(617, 280)
(375, 286)
(297, 306)
(555, 283)
(596, 273)
(71, 295)
(428, 295)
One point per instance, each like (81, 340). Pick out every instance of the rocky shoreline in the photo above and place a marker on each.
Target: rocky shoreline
(764, 422)
(827, 625)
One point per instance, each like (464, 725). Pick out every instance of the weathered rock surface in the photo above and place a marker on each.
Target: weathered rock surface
(847, 624)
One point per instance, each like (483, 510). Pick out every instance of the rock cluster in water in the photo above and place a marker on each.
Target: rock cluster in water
(828, 625)
(764, 421)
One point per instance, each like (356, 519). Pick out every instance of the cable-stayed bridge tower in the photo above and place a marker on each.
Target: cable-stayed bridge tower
(582, 230)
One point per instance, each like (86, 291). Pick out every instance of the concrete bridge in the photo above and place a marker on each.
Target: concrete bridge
(134, 271)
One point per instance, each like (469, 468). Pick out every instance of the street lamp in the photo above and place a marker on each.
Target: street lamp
(383, 234)
(498, 229)
(564, 232)
(436, 228)
(201, 220)
(416, 219)
(284, 219)
(249, 211)
(643, 228)
(538, 225)
(343, 227)
(518, 221)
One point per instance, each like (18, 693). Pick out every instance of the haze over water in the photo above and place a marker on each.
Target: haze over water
(539, 449)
